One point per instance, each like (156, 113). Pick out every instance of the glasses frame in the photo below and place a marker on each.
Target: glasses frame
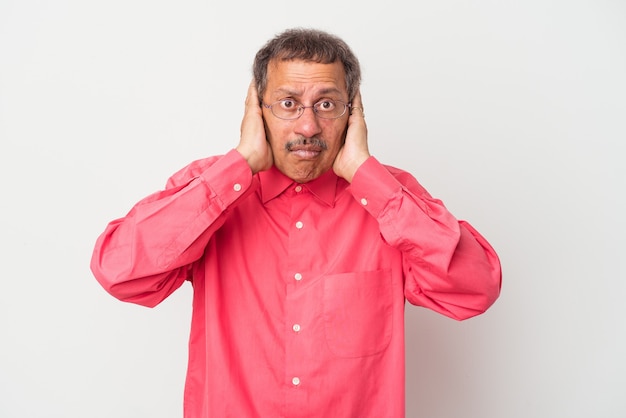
(301, 108)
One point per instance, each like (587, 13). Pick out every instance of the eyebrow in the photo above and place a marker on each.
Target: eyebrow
(322, 92)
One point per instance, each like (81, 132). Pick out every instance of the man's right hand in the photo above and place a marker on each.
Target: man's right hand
(253, 145)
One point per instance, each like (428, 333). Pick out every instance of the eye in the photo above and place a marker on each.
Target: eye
(288, 104)
(325, 106)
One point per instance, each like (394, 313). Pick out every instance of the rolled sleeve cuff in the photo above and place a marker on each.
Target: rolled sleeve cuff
(373, 186)
(228, 188)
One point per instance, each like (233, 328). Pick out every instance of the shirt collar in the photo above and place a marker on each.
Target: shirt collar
(325, 187)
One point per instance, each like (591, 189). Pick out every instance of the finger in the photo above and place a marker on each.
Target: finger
(253, 97)
(355, 110)
(357, 101)
(357, 105)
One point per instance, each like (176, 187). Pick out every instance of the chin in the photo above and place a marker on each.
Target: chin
(303, 176)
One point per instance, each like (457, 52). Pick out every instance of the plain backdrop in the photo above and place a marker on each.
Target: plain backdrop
(511, 112)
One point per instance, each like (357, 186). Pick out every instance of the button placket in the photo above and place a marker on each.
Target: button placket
(299, 266)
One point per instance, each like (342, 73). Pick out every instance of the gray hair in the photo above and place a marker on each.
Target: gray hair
(308, 45)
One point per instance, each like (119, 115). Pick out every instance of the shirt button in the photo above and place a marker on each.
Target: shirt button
(297, 276)
(298, 189)
(295, 381)
(299, 225)
(296, 327)
(237, 187)
(364, 201)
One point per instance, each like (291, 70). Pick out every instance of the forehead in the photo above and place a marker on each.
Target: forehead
(303, 78)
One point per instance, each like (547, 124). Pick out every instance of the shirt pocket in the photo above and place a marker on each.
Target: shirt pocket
(357, 312)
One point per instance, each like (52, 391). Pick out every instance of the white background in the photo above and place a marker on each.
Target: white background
(513, 113)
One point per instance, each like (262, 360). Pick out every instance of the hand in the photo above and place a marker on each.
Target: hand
(354, 151)
(253, 145)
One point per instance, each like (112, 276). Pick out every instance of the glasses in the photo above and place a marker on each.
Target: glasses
(289, 109)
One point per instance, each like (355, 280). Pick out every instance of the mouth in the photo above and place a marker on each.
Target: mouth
(305, 152)
(306, 148)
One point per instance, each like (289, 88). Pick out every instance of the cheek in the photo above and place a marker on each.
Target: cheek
(338, 137)
(273, 134)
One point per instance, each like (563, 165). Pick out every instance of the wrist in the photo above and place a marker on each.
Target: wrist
(354, 166)
(255, 160)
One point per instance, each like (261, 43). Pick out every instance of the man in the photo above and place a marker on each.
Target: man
(301, 249)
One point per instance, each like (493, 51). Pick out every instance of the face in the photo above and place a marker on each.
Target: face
(306, 147)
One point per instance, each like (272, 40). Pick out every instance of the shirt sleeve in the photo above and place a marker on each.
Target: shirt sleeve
(448, 266)
(146, 255)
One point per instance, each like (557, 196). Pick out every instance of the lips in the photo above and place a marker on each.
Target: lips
(304, 151)
(306, 148)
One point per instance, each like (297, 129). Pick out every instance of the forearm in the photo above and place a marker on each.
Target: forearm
(464, 284)
(449, 267)
(146, 255)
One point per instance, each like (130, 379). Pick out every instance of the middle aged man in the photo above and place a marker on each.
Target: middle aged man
(301, 248)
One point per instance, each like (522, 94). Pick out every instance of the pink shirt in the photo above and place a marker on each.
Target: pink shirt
(299, 289)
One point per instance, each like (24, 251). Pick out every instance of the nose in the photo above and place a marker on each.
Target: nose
(307, 124)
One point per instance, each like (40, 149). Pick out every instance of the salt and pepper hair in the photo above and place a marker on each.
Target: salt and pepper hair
(309, 45)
